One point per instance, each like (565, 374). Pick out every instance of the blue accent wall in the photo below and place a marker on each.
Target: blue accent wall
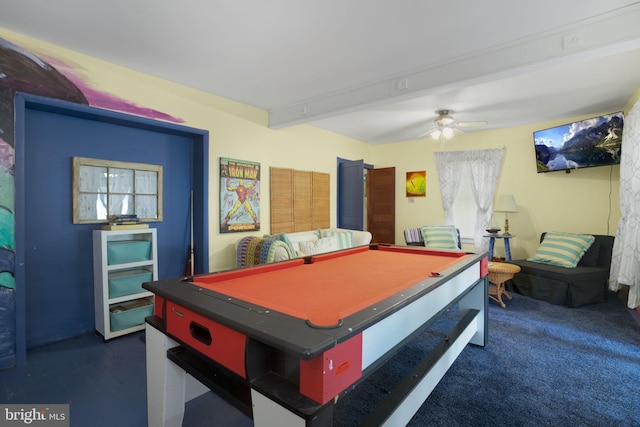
(54, 277)
(35, 218)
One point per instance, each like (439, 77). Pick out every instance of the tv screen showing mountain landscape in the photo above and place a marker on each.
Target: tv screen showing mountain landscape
(591, 142)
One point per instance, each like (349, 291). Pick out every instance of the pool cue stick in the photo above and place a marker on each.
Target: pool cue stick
(193, 257)
(190, 267)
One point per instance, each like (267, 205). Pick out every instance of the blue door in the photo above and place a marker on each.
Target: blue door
(350, 194)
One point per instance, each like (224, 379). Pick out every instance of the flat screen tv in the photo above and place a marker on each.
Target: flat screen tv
(591, 142)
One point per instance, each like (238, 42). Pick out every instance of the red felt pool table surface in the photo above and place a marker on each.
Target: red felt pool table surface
(332, 286)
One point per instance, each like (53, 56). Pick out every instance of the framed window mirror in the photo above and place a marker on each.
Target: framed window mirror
(106, 188)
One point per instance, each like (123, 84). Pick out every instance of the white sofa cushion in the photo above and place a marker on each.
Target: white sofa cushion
(301, 236)
(358, 238)
(320, 246)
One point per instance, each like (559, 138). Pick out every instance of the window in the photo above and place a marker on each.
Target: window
(104, 188)
(458, 197)
(465, 208)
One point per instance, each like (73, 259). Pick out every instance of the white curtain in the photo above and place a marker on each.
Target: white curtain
(484, 168)
(625, 262)
(449, 164)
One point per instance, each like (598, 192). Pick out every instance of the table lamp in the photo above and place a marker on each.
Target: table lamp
(506, 203)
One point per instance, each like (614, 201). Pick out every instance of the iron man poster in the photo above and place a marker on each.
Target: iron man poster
(239, 195)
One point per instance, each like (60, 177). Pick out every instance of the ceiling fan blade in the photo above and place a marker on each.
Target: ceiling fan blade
(454, 132)
(472, 124)
(442, 121)
(427, 132)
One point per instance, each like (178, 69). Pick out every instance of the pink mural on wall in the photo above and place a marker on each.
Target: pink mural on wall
(23, 71)
(101, 99)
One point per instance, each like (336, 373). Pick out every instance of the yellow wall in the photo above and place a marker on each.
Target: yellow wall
(582, 201)
(236, 131)
(632, 100)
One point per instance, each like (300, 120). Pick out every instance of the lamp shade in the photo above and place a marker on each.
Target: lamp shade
(506, 203)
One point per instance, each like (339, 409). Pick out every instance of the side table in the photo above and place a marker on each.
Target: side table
(499, 273)
(492, 241)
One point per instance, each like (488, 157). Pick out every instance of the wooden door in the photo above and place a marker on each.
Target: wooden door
(381, 205)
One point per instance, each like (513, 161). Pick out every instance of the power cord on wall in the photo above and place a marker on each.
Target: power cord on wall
(610, 201)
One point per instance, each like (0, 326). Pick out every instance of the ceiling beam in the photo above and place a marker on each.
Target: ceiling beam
(599, 36)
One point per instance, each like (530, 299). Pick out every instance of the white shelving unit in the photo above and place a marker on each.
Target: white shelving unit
(104, 271)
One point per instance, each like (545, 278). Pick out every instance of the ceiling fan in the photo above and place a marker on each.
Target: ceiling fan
(445, 127)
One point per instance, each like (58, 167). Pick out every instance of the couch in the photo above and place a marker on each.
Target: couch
(572, 287)
(253, 250)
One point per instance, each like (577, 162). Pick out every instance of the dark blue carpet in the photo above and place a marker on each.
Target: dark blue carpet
(545, 365)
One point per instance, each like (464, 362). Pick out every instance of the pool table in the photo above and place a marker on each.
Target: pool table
(284, 341)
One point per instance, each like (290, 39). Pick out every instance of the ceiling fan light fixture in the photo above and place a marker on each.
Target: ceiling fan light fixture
(444, 121)
(445, 127)
(447, 132)
(442, 132)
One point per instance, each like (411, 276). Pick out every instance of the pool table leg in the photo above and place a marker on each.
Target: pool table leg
(476, 299)
(267, 413)
(168, 385)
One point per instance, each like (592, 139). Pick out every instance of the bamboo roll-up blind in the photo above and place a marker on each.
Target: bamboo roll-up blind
(302, 201)
(299, 200)
(281, 200)
(320, 200)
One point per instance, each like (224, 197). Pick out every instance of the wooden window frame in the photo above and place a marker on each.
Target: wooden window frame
(79, 215)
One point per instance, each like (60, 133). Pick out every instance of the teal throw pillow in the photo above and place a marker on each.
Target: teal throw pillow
(562, 249)
(440, 236)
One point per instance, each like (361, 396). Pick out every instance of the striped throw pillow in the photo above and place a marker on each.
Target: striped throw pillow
(562, 249)
(413, 235)
(440, 236)
(345, 238)
(285, 239)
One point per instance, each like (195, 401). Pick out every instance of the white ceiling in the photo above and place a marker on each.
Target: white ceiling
(365, 68)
